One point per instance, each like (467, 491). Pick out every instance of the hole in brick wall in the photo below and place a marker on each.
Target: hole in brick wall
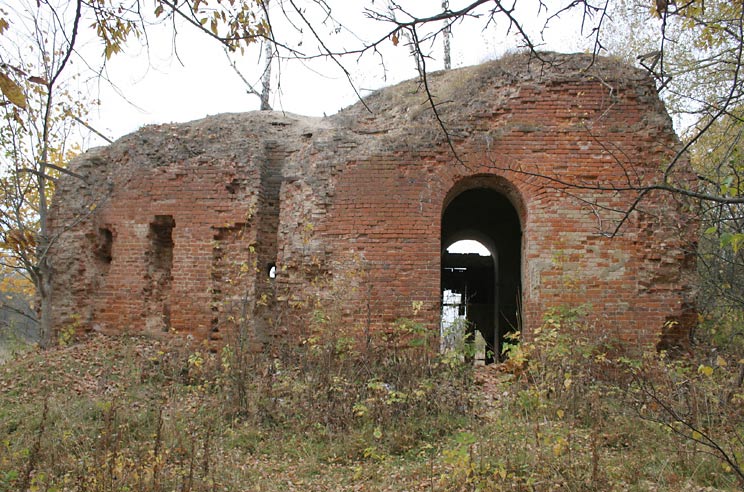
(481, 270)
(233, 186)
(161, 242)
(159, 270)
(104, 246)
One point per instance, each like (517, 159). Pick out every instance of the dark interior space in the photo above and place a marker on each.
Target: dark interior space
(104, 246)
(489, 286)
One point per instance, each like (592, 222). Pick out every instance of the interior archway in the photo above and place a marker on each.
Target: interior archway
(485, 290)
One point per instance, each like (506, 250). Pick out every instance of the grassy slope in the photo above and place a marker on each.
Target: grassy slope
(112, 414)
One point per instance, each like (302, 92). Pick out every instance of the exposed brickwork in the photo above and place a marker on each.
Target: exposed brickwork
(349, 208)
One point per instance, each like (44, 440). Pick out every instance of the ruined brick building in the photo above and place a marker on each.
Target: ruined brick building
(256, 219)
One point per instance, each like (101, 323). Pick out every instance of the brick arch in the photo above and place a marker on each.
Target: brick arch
(492, 181)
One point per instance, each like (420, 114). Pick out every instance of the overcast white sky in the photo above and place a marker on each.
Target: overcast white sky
(160, 88)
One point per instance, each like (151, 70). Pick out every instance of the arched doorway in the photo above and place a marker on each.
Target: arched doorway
(484, 289)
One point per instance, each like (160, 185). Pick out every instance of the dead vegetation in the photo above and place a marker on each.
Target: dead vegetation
(567, 412)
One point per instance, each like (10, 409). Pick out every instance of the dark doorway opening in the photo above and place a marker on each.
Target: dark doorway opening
(484, 290)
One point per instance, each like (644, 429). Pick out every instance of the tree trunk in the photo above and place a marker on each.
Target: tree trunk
(266, 81)
(45, 305)
(446, 33)
(269, 55)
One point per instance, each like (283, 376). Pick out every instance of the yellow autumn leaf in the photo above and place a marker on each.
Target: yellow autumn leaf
(705, 370)
(696, 435)
(558, 448)
(560, 413)
(12, 91)
(720, 361)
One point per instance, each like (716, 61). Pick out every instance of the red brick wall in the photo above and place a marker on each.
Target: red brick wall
(562, 152)
(350, 208)
(208, 217)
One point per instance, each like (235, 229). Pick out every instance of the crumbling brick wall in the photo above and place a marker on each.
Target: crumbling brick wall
(349, 208)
